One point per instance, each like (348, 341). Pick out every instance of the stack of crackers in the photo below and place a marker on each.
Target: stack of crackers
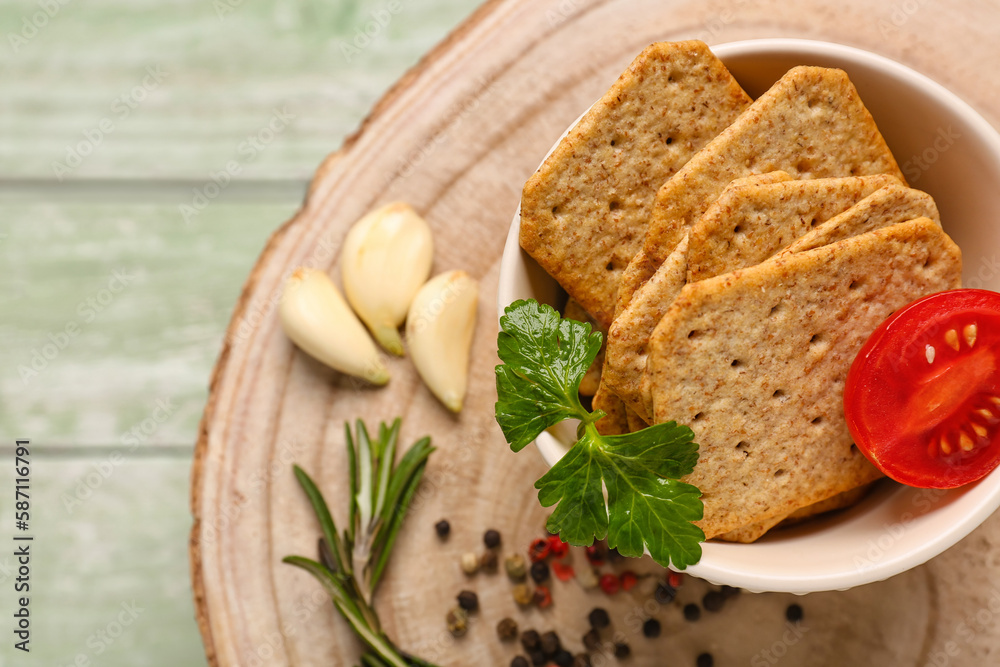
(737, 253)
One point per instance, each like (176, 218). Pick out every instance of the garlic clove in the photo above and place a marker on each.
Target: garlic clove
(386, 257)
(316, 318)
(439, 330)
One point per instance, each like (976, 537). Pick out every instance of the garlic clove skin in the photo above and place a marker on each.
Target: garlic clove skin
(439, 331)
(315, 317)
(386, 257)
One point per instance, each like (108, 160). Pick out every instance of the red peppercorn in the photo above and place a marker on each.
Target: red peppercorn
(563, 572)
(629, 580)
(539, 550)
(675, 579)
(557, 548)
(542, 597)
(610, 584)
(595, 555)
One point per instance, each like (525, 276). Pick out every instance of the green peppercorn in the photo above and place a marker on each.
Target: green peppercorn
(517, 568)
(458, 621)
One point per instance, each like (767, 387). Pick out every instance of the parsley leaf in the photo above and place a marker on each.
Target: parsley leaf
(544, 358)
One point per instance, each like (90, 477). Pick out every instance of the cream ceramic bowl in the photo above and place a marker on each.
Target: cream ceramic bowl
(943, 147)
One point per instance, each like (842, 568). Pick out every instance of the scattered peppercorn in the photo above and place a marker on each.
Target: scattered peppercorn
(489, 562)
(539, 571)
(692, 612)
(542, 597)
(550, 644)
(557, 548)
(665, 593)
(491, 538)
(537, 658)
(730, 591)
(675, 579)
(610, 584)
(591, 640)
(628, 580)
(563, 571)
(651, 628)
(470, 563)
(522, 595)
(794, 613)
(596, 553)
(530, 640)
(622, 650)
(468, 601)
(520, 661)
(539, 549)
(458, 621)
(599, 618)
(713, 601)
(442, 528)
(516, 568)
(563, 658)
(587, 577)
(615, 556)
(705, 660)
(507, 629)
(581, 660)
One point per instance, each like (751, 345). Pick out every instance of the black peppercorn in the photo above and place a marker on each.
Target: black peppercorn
(507, 629)
(665, 593)
(730, 591)
(539, 571)
(563, 659)
(489, 562)
(442, 528)
(581, 660)
(520, 661)
(468, 601)
(537, 658)
(599, 618)
(713, 601)
(692, 612)
(491, 538)
(705, 660)
(622, 650)
(651, 628)
(591, 640)
(530, 640)
(550, 644)
(794, 613)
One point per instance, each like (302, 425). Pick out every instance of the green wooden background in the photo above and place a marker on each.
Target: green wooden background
(147, 150)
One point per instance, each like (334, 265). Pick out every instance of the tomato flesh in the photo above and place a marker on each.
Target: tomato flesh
(922, 398)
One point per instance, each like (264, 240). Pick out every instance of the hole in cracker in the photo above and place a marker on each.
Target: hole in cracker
(736, 363)
(670, 140)
(927, 261)
(613, 142)
(610, 266)
(854, 450)
(694, 333)
(779, 472)
(614, 206)
(776, 309)
(555, 210)
(737, 229)
(815, 338)
(817, 420)
(743, 446)
(812, 223)
(855, 284)
(699, 416)
(778, 393)
(803, 167)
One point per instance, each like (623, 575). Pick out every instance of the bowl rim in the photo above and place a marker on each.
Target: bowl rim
(983, 496)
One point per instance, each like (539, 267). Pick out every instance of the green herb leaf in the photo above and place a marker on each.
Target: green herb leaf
(544, 358)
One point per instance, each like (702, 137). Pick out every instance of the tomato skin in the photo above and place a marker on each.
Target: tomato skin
(922, 398)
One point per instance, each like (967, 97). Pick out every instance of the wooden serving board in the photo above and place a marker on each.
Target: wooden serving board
(457, 137)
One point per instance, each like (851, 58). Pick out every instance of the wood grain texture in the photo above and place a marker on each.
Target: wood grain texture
(457, 137)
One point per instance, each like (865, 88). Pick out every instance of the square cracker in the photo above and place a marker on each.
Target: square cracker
(811, 123)
(755, 362)
(584, 212)
(753, 218)
(888, 206)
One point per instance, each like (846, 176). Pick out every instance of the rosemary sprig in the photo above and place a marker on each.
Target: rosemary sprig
(352, 563)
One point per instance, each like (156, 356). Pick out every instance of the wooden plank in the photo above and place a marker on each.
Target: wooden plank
(109, 569)
(114, 311)
(178, 89)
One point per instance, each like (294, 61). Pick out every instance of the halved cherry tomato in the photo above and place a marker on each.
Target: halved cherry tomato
(922, 398)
